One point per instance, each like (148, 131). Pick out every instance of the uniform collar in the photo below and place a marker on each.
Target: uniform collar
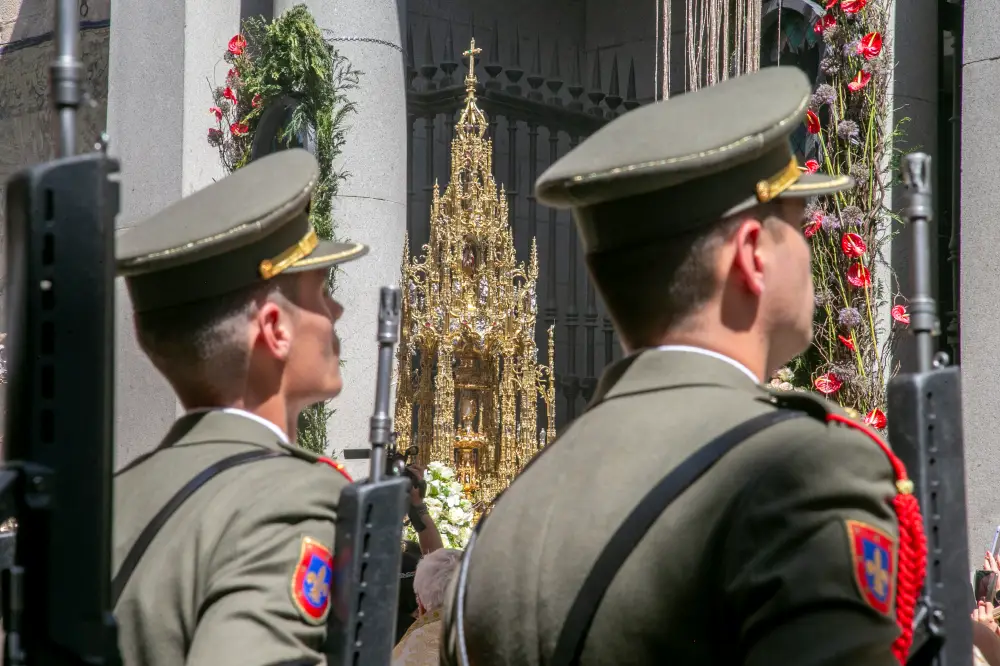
(244, 413)
(672, 367)
(215, 425)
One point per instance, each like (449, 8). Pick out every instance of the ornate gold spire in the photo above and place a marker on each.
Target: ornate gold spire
(469, 377)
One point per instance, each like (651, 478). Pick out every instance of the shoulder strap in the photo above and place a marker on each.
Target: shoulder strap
(159, 520)
(628, 535)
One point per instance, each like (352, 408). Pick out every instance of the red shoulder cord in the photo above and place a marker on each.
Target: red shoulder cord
(336, 465)
(912, 543)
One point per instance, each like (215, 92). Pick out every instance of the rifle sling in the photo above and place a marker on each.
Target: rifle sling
(581, 615)
(159, 520)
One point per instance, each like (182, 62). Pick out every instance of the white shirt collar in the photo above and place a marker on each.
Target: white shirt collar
(708, 352)
(242, 412)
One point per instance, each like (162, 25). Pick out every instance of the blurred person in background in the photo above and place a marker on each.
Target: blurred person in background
(419, 645)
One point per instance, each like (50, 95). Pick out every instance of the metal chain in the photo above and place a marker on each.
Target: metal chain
(372, 40)
(84, 8)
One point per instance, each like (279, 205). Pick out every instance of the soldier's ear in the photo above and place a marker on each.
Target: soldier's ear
(273, 324)
(749, 262)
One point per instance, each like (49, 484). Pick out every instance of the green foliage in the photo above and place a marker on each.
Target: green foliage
(288, 58)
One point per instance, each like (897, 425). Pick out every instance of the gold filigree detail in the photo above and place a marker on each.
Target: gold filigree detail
(467, 362)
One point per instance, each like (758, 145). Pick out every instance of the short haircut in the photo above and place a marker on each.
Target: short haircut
(201, 347)
(652, 288)
(433, 576)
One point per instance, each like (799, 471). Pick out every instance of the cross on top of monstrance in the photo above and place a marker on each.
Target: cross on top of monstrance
(470, 78)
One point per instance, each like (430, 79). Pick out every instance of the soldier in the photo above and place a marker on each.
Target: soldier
(691, 516)
(217, 564)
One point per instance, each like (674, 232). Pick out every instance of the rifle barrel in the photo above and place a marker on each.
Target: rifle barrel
(65, 73)
(916, 171)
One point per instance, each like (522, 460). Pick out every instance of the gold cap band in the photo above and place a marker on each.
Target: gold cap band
(772, 187)
(271, 267)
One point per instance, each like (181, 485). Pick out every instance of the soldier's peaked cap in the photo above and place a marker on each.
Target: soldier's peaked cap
(245, 229)
(674, 166)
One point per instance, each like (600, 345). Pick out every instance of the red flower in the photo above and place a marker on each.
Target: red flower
(239, 129)
(237, 44)
(900, 314)
(860, 81)
(217, 111)
(870, 46)
(232, 74)
(813, 225)
(812, 166)
(853, 6)
(830, 4)
(828, 383)
(256, 100)
(853, 245)
(876, 418)
(822, 24)
(230, 95)
(859, 276)
(847, 342)
(812, 122)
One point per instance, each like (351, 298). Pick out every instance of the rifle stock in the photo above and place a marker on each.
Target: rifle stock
(925, 430)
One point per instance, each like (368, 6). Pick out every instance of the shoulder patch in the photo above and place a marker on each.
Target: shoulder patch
(311, 581)
(336, 465)
(873, 558)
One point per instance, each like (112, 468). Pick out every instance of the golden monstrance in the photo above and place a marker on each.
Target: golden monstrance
(468, 370)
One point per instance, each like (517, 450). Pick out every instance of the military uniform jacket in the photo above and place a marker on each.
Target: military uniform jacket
(784, 552)
(225, 580)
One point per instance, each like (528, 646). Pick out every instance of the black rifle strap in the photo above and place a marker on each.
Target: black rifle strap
(159, 520)
(628, 535)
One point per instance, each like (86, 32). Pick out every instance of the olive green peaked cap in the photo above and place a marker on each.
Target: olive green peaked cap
(671, 167)
(245, 229)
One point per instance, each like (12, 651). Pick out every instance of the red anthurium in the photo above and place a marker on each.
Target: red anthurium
(853, 6)
(847, 342)
(900, 314)
(828, 383)
(256, 100)
(230, 95)
(860, 81)
(239, 129)
(870, 46)
(876, 418)
(859, 276)
(812, 122)
(830, 4)
(813, 225)
(822, 24)
(853, 245)
(217, 111)
(812, 166)
(237, 44)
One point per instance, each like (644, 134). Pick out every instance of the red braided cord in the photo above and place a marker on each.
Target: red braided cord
(912, 543)
(337, 466)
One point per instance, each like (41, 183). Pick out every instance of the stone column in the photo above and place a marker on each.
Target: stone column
(159, 94)
(979, 280)
(371, 206)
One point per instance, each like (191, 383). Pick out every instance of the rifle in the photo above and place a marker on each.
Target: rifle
(367, 549)
(59, 432)
(926, 432)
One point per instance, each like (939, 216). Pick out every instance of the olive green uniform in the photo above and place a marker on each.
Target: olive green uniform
(783, 552)
(215, 585)
(752, 565)
(242, 572)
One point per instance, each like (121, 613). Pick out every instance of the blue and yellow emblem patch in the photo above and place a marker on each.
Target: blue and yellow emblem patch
(873, 553)
(311, 581)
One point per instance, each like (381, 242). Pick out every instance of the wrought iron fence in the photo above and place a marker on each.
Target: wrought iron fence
(536, 115)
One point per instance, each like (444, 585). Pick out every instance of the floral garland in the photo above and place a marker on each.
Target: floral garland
(851, 357)
(448, 507)
(288, 57)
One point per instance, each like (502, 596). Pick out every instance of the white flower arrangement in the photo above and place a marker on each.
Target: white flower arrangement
(447, 505)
